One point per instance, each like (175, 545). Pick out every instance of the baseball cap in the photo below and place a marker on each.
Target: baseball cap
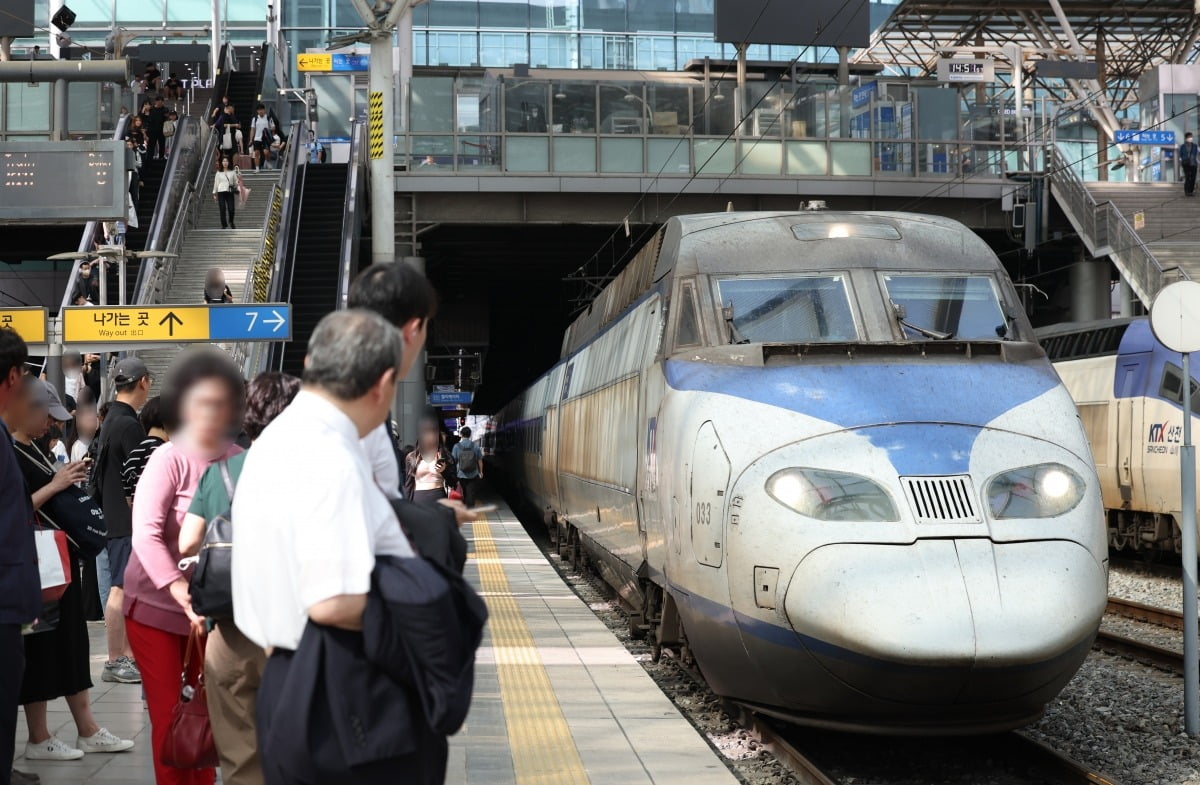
(47, 396)
(129, 370)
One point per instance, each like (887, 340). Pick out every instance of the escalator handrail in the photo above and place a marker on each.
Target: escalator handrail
(348, 258)
(181, 170)
(292, 182)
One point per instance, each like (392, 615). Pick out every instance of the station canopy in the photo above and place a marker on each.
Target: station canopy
(1127, 36)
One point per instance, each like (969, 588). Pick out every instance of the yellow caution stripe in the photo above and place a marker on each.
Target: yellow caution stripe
(543, 749)
(375, 124)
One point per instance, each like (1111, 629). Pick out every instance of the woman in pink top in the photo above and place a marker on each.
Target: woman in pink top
(202, 405)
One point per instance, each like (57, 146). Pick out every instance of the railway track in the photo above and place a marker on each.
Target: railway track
(1142, 651)
(826, 758)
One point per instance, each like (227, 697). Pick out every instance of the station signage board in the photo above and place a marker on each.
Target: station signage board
(56, 182)
(978, 70)
(29, 323)
(176, 324)
(451, 398)
(330, 62)
(1134, 136)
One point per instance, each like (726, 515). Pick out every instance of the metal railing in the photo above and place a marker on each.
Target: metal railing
(1106, 232)
(351, 219)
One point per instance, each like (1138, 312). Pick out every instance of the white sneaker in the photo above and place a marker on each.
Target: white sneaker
(52, 748)
(104, 741)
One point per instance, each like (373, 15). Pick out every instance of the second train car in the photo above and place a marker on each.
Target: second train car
(823, 454)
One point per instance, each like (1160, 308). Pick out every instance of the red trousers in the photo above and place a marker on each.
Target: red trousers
(159, 656)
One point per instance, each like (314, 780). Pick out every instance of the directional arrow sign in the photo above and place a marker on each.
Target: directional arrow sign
(170, 320)
(270, 322)
(29, 323)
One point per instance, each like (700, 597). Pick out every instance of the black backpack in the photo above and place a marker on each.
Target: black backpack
(212, 582)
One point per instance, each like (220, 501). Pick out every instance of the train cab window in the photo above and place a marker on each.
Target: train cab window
(1171, 388)
(945, 307)
(793, 309)
(687, 329)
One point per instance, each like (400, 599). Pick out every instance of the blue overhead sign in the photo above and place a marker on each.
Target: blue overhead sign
(862, 95)
(350, 62)
(455, 398)
(1133, 136)
(271, 322)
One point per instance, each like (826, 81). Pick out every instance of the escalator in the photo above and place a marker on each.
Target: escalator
(243, 90)
(321, 210)
(153, 173)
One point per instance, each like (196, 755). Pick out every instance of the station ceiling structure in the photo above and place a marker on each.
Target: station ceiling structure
(1127, 37)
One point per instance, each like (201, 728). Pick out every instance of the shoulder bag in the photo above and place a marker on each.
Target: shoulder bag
(72, 511)
(212, 582)
(189, 742)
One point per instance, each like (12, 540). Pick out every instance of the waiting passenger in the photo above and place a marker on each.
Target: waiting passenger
(233, 664)
(202, 408)
(156, 436)
(429, 470)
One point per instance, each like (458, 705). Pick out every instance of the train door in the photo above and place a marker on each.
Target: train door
(550, 455)
(1128, 464)
(710, 479)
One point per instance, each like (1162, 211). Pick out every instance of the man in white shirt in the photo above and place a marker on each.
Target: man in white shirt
(402, 295)
(313, 518)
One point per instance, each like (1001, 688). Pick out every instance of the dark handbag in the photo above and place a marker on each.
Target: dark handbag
(212, 582)
(189, 742)
(73, 512)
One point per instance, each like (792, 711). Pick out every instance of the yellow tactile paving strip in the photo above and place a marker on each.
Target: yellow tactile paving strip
(543, 749)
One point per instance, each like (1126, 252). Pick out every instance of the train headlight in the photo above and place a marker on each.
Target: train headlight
(831, 496)
(1041, 491)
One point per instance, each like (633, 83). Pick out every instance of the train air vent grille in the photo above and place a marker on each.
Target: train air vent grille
(942, 499)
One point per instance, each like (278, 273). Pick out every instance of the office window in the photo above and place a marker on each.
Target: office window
(554, 50)
(655, 53)
(694, 16)
(651, 16)
(504, 13)
(503, 49)
(603, 15)
(453, 48)
(453, 13)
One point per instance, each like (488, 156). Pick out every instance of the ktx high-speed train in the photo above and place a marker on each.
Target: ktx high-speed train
(1129, 389)
(823, 454)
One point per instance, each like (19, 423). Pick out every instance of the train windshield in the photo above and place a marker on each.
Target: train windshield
(794, 309)
(946, 307)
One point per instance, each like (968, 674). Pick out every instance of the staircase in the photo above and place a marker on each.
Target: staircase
(314, 276)
(153, 173)
(208, 245)
(1172, 228)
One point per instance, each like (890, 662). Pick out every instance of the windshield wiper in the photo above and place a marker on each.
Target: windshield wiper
(901, 317)
(735, 335)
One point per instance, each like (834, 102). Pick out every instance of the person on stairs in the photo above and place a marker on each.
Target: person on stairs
(1188, 155)
(260, 136)
(215, 288)
(225, 188)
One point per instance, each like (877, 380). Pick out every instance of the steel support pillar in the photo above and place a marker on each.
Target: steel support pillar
(382, 81)
(1130, 305)
(214, 46)
(411, 400)
(1089, 291)
(59, 129)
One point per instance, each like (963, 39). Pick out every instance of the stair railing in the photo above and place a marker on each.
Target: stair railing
(253, 357)
(352, 218)
(1106, 232)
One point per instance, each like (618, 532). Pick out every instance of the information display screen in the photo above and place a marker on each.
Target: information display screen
(58, 182)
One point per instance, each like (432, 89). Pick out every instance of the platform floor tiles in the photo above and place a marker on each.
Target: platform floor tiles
(558, 699)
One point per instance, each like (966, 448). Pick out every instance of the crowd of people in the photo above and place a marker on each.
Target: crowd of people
(322, 502)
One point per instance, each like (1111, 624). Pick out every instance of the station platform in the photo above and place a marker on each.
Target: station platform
(558, 699)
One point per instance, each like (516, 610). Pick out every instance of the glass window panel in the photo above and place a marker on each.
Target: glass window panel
(502, 49)
(670, 112)
(694, 16)
(554, 14)
(554, 50)
(243, 11)
(655, 53)
(807, 158)
(603, 15)
(574, 154)
(651, 16)
(479, 153)
(334, 105)
(92, 12)
(688, 49)
(28, 107)
(420, 47)
(714, 156)
(431, 102)
(960, 306)
(198, 11)
(430, 153)
(527, 154)
(761, 156)
(504, 13)
(687, 333)
(804, 309)
(851, 158)
(83, 107)
(139, 12)
(525, 105)
(623, 109)
(669, 156)
(305, 13)
(621, 155)
(453, 13)
(591, 51)
(574, 109)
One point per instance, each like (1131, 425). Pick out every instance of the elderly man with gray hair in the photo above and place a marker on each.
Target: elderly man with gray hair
(308, 518)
